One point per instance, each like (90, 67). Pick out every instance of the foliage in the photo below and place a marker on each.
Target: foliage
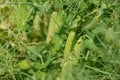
(60, 40)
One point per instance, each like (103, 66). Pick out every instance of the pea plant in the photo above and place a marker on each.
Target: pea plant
(59, 40)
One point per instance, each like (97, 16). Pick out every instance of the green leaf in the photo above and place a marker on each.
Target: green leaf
(57, 42)
(83, 6)
(34, 53)
(96, 2)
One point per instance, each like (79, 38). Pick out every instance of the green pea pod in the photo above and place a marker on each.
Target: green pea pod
(93, 23)
(55, 22)
(66, 73)
(70, 39)
(36, 22)
(78, 49)
(109, 36)
(24, 64)
(37, 27)
(69, 43)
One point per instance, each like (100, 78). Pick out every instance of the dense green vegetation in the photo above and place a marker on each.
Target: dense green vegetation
(59, 40)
